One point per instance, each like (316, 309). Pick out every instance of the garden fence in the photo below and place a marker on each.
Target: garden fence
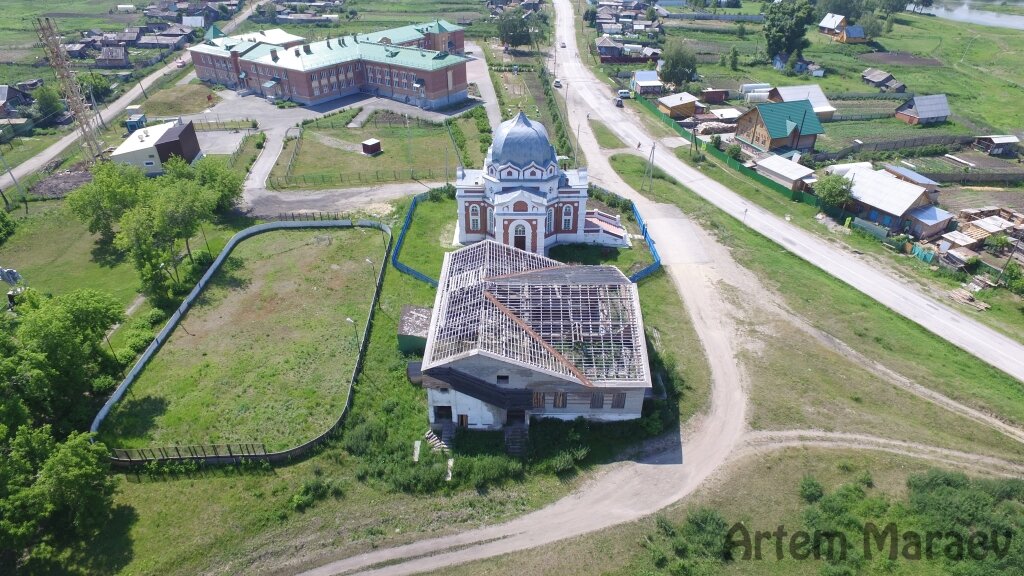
(405, 269)
(350, 178)
(709, 16)
(870, 96)
(1002, 177)
(653, 266)
(838, 117)
(893, 145)
(163, 454)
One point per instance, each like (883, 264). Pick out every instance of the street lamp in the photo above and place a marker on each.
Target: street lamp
(355, 333)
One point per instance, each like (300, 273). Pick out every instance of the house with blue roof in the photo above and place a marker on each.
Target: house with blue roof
(646, 82)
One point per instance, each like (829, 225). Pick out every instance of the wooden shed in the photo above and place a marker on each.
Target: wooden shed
(371, 147)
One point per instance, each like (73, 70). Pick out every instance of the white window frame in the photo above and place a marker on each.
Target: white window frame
(567, 217)
(474, 217)
(550, 221)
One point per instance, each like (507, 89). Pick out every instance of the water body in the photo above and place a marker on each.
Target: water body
(966, 13)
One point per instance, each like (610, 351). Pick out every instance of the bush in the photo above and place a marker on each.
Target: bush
(261, 140)
(811, 490)
(313, 491)
(7, 226)
(490, 470)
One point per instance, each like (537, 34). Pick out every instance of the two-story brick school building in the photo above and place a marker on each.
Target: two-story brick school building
(421, 64)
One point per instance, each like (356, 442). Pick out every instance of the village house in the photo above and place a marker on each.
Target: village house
(852, 35)
(682, 105)
(514, 335)
(10, 99)
(924, 109)
(832, 24)
(419, 64)
(522, 198)
(997, 145)
(607, 47)
(882, 80)
(149, 147)
(878, 196)
(76, 50)
(776, 126)
(113, 57)
(646, 82)
(790, 174)
(811, 92)
(714, 95)
(908, 175)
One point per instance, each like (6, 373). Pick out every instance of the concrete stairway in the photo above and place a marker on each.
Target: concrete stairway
(515, 440)
(436, 444)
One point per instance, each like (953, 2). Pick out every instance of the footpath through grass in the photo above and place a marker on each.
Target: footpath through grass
(266, 355)
(842, 311)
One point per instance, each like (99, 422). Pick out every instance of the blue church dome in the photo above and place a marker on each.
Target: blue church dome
(521, 142)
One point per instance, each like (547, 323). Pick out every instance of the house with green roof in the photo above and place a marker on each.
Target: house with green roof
(421, 64)
(779, 126)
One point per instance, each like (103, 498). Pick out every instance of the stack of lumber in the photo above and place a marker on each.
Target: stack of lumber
(965, 297)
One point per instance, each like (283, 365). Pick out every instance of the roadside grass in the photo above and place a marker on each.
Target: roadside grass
(839, 310)
(629, 260)
(333, 158)
(22, 148)
(799, 383)
(180, 100)
(266, 354)
(605, 137)
(56, 254)
(761, 491)
(474, 155)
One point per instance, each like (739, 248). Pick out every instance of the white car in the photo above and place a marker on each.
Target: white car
(563, 44)
(557, 83)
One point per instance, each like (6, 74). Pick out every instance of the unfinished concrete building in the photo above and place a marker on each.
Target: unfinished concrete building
(514, 334)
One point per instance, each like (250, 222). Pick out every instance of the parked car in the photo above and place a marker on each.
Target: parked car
(618, 102)
(563, 44)
(557, 83)
(623, 93)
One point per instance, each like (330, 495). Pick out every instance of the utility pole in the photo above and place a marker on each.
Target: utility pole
(50, 37)
(17, 184)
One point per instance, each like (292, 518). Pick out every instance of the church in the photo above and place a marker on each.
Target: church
(522, 198)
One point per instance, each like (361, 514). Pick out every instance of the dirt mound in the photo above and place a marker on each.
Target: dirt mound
(58, 184)
(899, 59)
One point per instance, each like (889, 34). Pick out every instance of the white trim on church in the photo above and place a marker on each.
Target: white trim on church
(522, 198)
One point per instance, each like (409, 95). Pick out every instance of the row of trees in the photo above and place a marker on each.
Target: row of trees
(150, 220)
(785, 23)
(55, 490)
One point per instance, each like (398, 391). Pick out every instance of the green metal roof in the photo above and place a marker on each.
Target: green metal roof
(321, 55)
(781, 118)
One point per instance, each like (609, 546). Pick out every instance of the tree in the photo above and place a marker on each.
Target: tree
(96, 84)
(833, 190)
(115, 188)
(734, 58)
(890, 21)
(996, 243)
(590, 16)
(651, 14)
(48, 105)
(892, 6)
(785, 24)
(810, 489)
(741, 31)
(53, 496)
(734, 151)
(63, 355)
(513, 29)
(871, 24)
(7, 226)
(680, 63)
(922, 4)
(852, 9)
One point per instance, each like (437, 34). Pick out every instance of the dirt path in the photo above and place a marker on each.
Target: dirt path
(760, 442)
(135, 304)
(336, 144)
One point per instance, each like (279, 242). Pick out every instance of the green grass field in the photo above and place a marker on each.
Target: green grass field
(267, 354)
(842, 134)
(56, 254)
(179, 100)
(333, 158)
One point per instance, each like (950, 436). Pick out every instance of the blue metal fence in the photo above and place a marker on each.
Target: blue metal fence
(653, 266)
(401, 240)
(187, 303)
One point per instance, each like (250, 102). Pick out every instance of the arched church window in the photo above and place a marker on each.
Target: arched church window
(550, 224)
(474, 217)
(490, 220)
(567, 218)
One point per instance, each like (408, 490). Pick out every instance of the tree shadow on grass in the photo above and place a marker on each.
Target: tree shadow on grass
(111, 550)
(106, 255)
(135, 417)
(229, 276)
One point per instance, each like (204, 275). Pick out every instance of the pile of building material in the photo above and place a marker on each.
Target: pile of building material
(964, 296)
(715, 128)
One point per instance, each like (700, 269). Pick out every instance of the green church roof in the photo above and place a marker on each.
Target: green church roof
(781, 118)
(213, 32)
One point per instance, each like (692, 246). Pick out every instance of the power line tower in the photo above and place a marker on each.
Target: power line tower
(50, 38)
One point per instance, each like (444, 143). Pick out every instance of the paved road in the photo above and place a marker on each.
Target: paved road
(992, 347)
(477, 72)
(109, 113)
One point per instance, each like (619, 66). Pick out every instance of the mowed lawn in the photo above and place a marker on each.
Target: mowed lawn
(266, 356)
(333, 157)
(178, 100)
(56, 254)
(838, 135)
